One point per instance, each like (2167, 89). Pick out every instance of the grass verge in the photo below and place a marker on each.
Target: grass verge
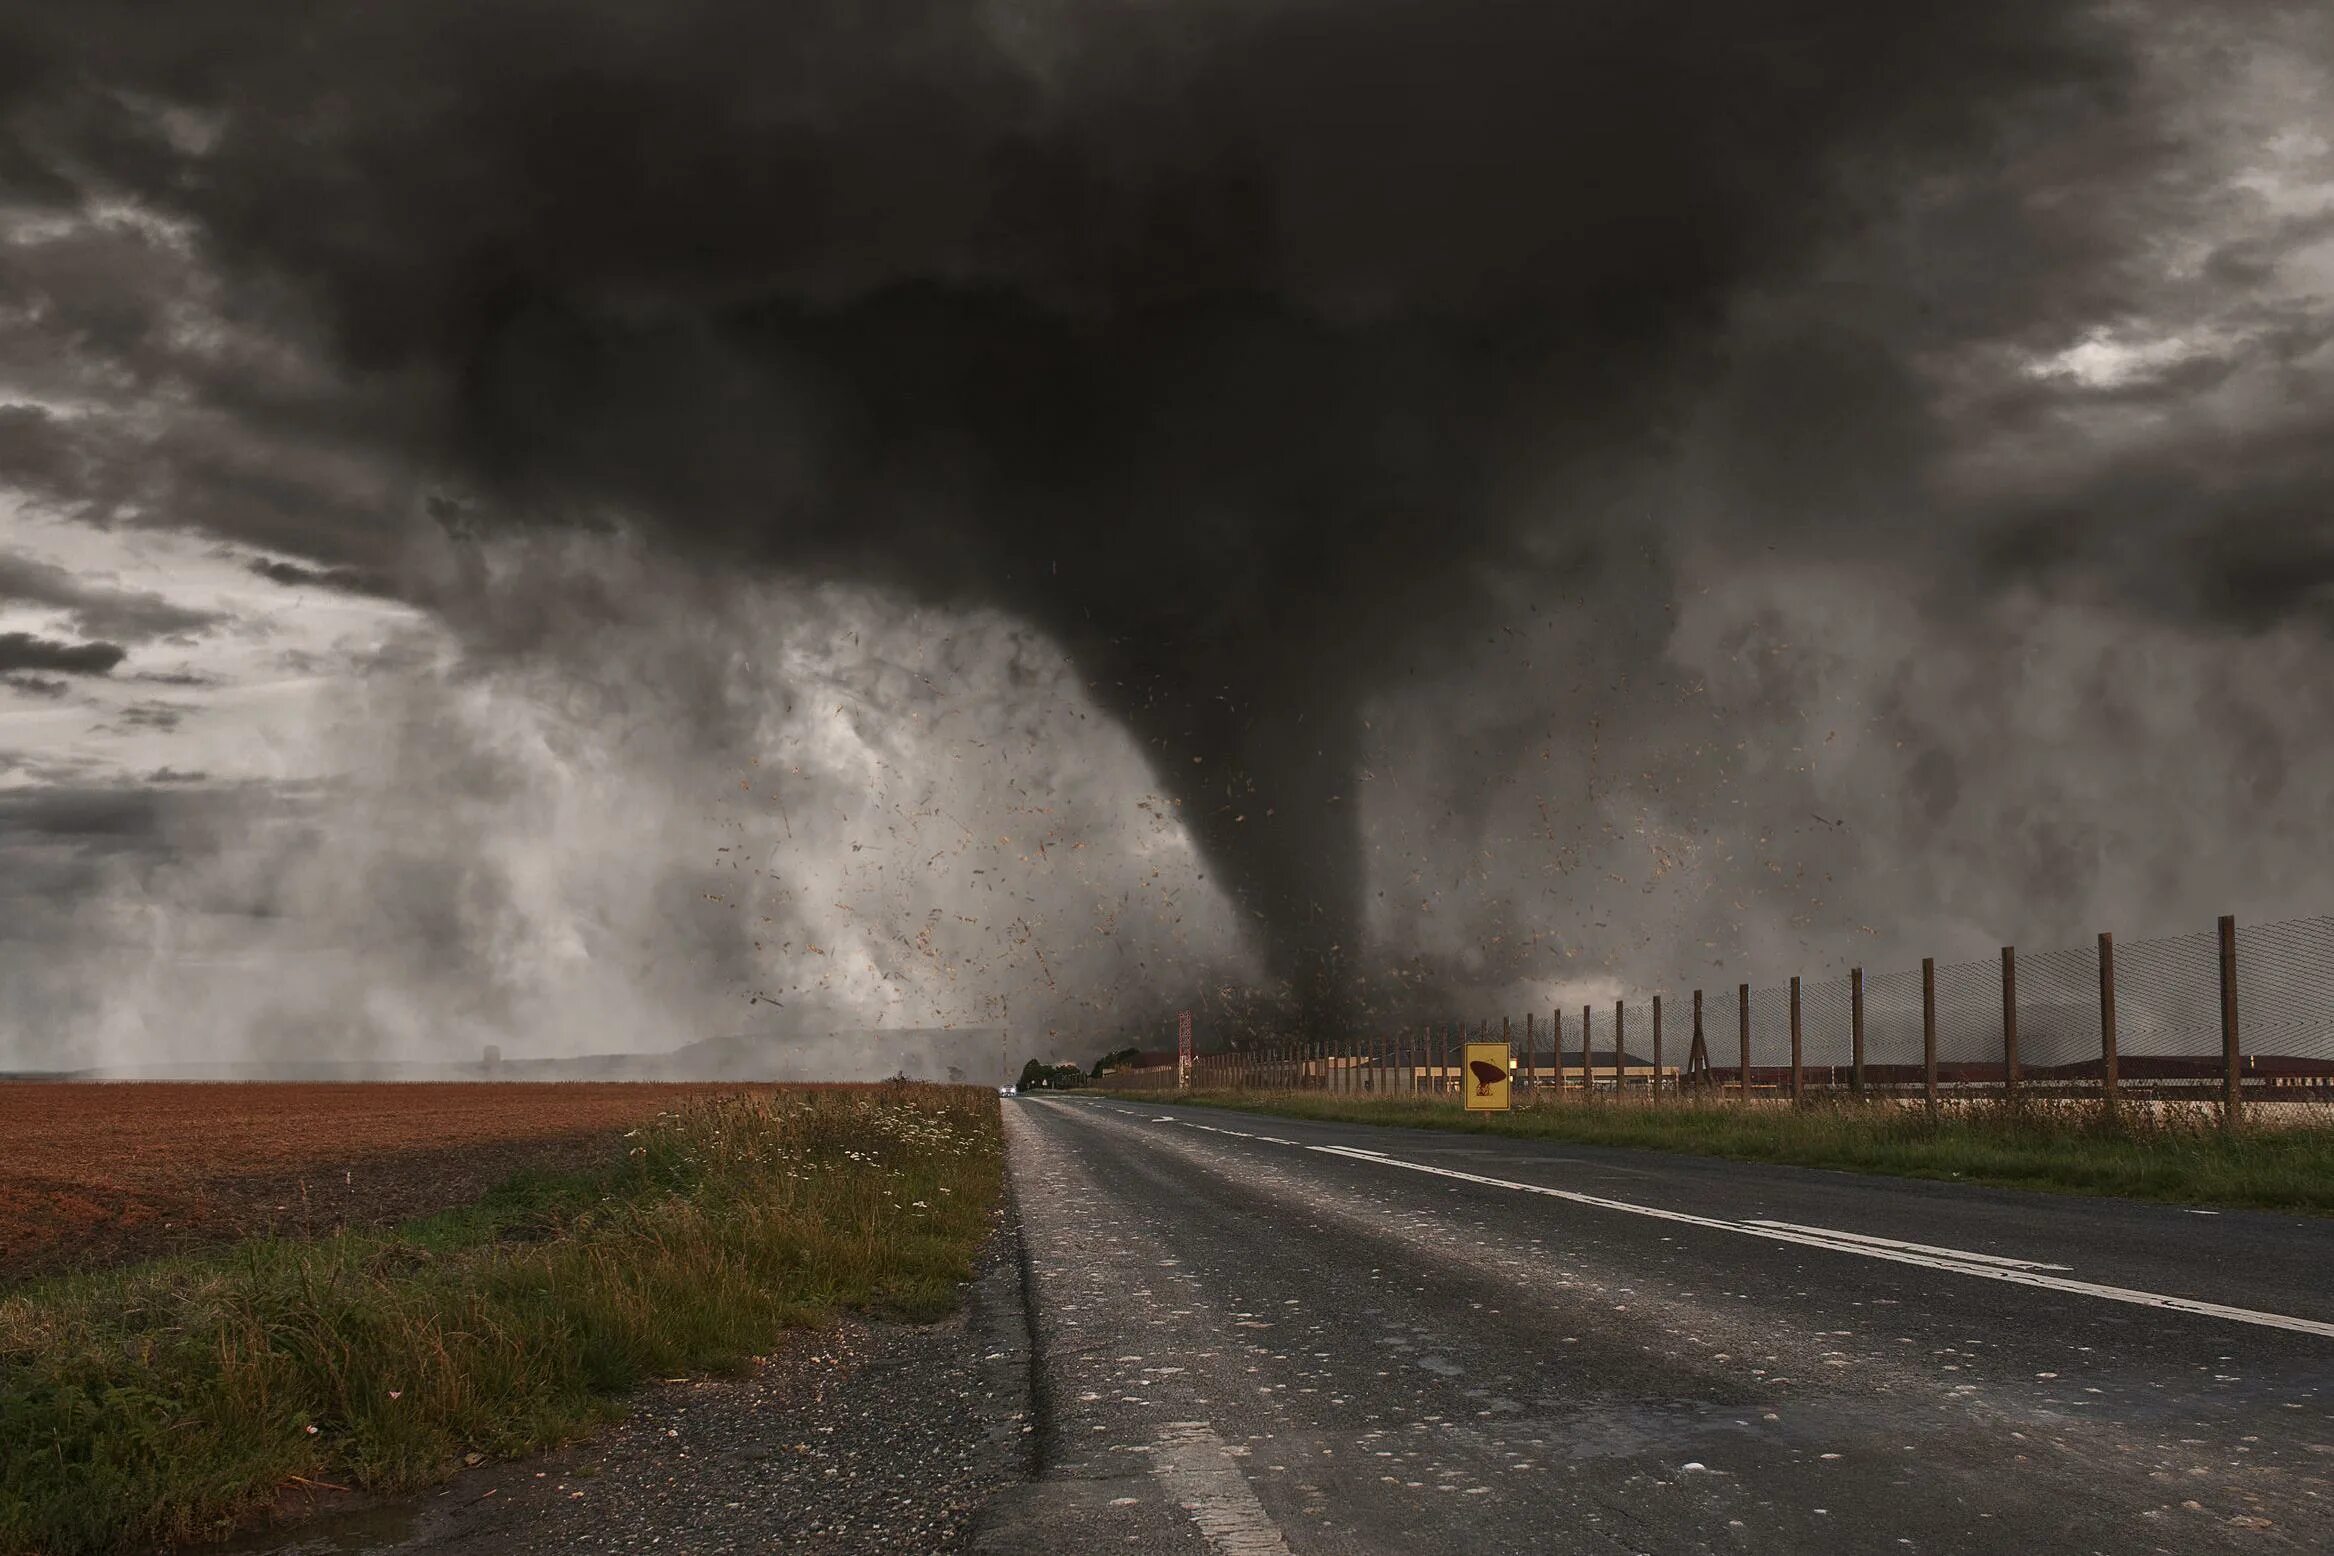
(2079, 1149)
(180, 1399)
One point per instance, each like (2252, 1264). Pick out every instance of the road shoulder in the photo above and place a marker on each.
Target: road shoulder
(860, 1438)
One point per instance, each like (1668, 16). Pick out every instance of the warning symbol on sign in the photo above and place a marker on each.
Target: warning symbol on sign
(1488, 1067)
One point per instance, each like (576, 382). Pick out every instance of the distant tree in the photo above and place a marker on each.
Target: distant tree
(1116, 1058)
(1039, 1076)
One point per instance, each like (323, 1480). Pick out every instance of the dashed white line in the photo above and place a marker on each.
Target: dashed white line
(1193, 1464)
(1959, 1256)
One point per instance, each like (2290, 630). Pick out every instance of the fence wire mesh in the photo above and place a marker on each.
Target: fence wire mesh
(2058, 1010)
(1770, 1027)
(1969, 1014)
(2168, 997)
(1892, 1022)
(1636, 1041)
(1827, 1045)
(2284, 973)
(2167, 1008)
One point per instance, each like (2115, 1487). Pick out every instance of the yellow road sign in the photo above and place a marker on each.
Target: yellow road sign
(1487, 1076)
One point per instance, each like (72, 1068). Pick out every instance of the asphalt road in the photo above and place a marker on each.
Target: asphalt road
(1250, 1339)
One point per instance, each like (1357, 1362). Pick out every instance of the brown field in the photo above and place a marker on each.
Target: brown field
(97, 1173)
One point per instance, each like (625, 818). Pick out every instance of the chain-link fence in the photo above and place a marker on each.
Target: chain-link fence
(2231, 1012)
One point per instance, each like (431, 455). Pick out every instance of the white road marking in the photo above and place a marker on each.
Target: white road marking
(1831, 1241)
(2017, 1272)
(1191, 1461)
(1958, 1255)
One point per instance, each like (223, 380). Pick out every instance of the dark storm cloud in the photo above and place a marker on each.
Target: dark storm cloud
(160, 717)
(23, 651)
(36, 452)
(1239, 347)
(131, 615)
(36, 686)
(110, 817)
(346, 580)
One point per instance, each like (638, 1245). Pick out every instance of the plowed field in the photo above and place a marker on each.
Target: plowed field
(96, 1173)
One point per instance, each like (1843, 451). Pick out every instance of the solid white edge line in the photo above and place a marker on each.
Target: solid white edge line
(2083, 1288)
(1855, 1243)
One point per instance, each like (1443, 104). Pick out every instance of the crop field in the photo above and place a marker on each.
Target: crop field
(231, 1385)
(103, 1172)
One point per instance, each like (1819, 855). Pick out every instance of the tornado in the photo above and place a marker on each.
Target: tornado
(1228, 345)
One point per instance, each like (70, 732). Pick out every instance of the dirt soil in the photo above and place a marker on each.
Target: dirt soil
(95, 1173)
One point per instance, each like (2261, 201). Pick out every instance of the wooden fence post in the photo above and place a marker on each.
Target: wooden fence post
(2107, 1017)
(1798, 1084)
(1743, 997)
(1698, 1051)
(2232, 1076)
(1531, 1053)
(1588, 1074)
(2010, 1022)
(1929, 1030)
(1856, 1031)
(1657, 1048)
(1620, 1078)
(1556, 1047)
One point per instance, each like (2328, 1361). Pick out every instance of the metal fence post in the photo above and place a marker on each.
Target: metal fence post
(1929, 1030)
(1743, 996)
(1798, 1093)
(2232, 1076)
(2107, 1016)
(1656, 1048)
(1856, 1031)
(2010, 1022)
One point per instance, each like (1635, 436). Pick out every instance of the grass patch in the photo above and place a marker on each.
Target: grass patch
(2081, 1148)
(180, 1399)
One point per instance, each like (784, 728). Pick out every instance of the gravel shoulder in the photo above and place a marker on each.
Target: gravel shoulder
(860, 1439)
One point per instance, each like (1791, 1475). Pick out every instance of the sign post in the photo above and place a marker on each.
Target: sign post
(1183, 1050)
(1486, 1078)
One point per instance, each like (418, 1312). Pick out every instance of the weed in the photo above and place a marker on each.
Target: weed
(2181, 1156)
(176, 1400)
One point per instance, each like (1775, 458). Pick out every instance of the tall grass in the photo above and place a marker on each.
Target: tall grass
(180, 1399)
(2173, 1155)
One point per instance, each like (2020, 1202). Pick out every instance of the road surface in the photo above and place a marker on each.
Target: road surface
(1253, 1336)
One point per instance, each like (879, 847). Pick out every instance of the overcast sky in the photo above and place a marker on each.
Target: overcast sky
(592, 526)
